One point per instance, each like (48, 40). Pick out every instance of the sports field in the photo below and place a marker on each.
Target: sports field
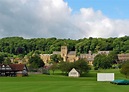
(59, 83)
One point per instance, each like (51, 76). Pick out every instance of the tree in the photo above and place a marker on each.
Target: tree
(2, 55)
(7, 61)
(56, 58)
(53, 67)
(102, 61)
(65, 67)
(82, 66)
(20, 50)
(36, 62)
(125, 69)
(19, 45)
(113, 57)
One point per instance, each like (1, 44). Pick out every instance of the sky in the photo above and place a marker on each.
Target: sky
(74, 19)
(110, 8)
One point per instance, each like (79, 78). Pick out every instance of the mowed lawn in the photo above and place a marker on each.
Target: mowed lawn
(59, 83)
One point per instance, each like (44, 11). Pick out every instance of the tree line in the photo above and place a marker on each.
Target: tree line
(19, 45)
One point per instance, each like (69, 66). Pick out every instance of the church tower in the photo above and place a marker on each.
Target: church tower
(64, 52)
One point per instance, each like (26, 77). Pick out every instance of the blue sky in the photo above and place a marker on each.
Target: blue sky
(115, 9)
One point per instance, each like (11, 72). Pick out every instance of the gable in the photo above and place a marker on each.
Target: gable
(8, 67)
(5, 67)
(74, 73)
(72, 53)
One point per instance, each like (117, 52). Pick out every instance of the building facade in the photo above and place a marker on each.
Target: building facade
(123, 57)
(71, 56)
(46, 58)
(90, 57)
(13, 70)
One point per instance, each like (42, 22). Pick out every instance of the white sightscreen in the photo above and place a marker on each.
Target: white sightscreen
(105, 76)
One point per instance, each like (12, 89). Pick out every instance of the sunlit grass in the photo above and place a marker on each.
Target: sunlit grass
(61, 83)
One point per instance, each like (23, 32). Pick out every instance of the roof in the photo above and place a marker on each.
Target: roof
(45, 54)
(72, 53)
(13, 67)
(56, 52)
(17, 67)
(123, 55)
(73, 70)
(74, 73)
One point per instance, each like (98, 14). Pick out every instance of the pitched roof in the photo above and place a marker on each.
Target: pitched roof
(17, 67)
(72, 53)
(74, 70)
(56, 52)
(74, 73)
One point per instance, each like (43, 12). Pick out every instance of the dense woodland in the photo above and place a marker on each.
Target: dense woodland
(19, 45)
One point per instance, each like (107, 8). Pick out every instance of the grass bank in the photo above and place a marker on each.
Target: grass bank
(59, 83)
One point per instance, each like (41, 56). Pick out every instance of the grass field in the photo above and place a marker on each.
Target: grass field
(59, 83)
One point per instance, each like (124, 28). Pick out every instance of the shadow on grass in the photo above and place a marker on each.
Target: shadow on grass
(61, 74)
(82, 75)
(89, 75)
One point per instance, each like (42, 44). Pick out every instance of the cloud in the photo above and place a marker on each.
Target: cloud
(54, 18)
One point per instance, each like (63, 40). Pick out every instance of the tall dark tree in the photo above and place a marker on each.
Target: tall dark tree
(56, 58)
(3, 56)
(36, 62)
(82, 66)
(125, 69)
(102, 61)
(7, 61)
(54, 67)
(113, 57)
(65, 67)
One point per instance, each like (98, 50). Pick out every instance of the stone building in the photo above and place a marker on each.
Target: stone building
(71, 56)
(90, 57)
(123, 57)
(104, 52)
(65, 54)
(45, 58)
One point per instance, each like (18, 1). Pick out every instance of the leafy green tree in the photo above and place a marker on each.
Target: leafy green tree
(82, 66)
(113, 57)
(19, 45)
(83, 46)
(2, 55)
(65, 67)
(56, 58)
(20, 50)
(102, 61)
(36, 62)
(7, 61)
(93, 45)
(125, 69)
(54, 67)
